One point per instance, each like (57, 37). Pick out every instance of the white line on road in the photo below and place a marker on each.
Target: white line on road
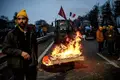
(111, 62)
(41, 56)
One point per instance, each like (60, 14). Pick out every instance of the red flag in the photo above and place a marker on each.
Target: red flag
(62, 13)
(73, 15)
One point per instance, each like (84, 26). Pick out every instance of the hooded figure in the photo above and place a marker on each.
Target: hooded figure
(20, 46)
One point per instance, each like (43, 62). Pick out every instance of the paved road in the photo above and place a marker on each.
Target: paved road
(95, 67)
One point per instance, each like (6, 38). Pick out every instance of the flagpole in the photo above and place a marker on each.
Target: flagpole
(68, 22)
(57, 15)
(56, 19)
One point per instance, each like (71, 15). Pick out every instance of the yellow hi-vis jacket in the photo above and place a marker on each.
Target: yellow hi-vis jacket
(99, 36)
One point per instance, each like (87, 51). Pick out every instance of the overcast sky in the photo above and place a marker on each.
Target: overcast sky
(46, 9)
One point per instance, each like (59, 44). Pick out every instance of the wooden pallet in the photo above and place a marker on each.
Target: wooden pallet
(66, 60)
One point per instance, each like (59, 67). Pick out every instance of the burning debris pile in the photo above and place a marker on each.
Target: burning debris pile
(68, 52)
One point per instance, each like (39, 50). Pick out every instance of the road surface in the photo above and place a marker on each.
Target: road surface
(95, 67)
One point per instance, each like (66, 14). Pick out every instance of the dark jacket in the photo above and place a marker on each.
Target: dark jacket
(110, 35)
(15, 42)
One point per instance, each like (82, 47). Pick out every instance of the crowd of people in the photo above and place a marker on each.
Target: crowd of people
(20, 46)
(108, 38)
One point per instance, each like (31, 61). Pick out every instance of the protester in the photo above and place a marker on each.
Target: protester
(87, 30)
(105, 42)
(100, 39)
(20, 45)
(44, 29)
(117, 42)
(110, 38)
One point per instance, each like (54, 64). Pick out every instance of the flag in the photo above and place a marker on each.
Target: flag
(70, 13)
(73, 15)
(62, 13)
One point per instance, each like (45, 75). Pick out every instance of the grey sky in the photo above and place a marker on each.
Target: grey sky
(46, 9)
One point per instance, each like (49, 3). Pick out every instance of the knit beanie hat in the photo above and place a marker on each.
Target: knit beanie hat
(22, 13)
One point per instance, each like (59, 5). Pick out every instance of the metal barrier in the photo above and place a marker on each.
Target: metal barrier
(45, 37)
(5, 71)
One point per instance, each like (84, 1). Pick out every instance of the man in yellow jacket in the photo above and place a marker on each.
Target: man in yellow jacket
(100, 38)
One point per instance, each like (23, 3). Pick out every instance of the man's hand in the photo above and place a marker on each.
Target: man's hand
(25, 55)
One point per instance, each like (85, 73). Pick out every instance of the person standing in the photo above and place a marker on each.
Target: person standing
(20, 45)
(100, 39)
(110, 38)
(105, 42)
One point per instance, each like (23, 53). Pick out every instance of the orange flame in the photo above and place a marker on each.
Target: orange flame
(72, 49)
(62, 51)
(46, 61)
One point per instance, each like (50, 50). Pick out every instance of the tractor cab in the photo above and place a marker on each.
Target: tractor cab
(62, 28)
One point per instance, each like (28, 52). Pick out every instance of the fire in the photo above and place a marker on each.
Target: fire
(72, 49)
(68, 50)
(46, 61)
